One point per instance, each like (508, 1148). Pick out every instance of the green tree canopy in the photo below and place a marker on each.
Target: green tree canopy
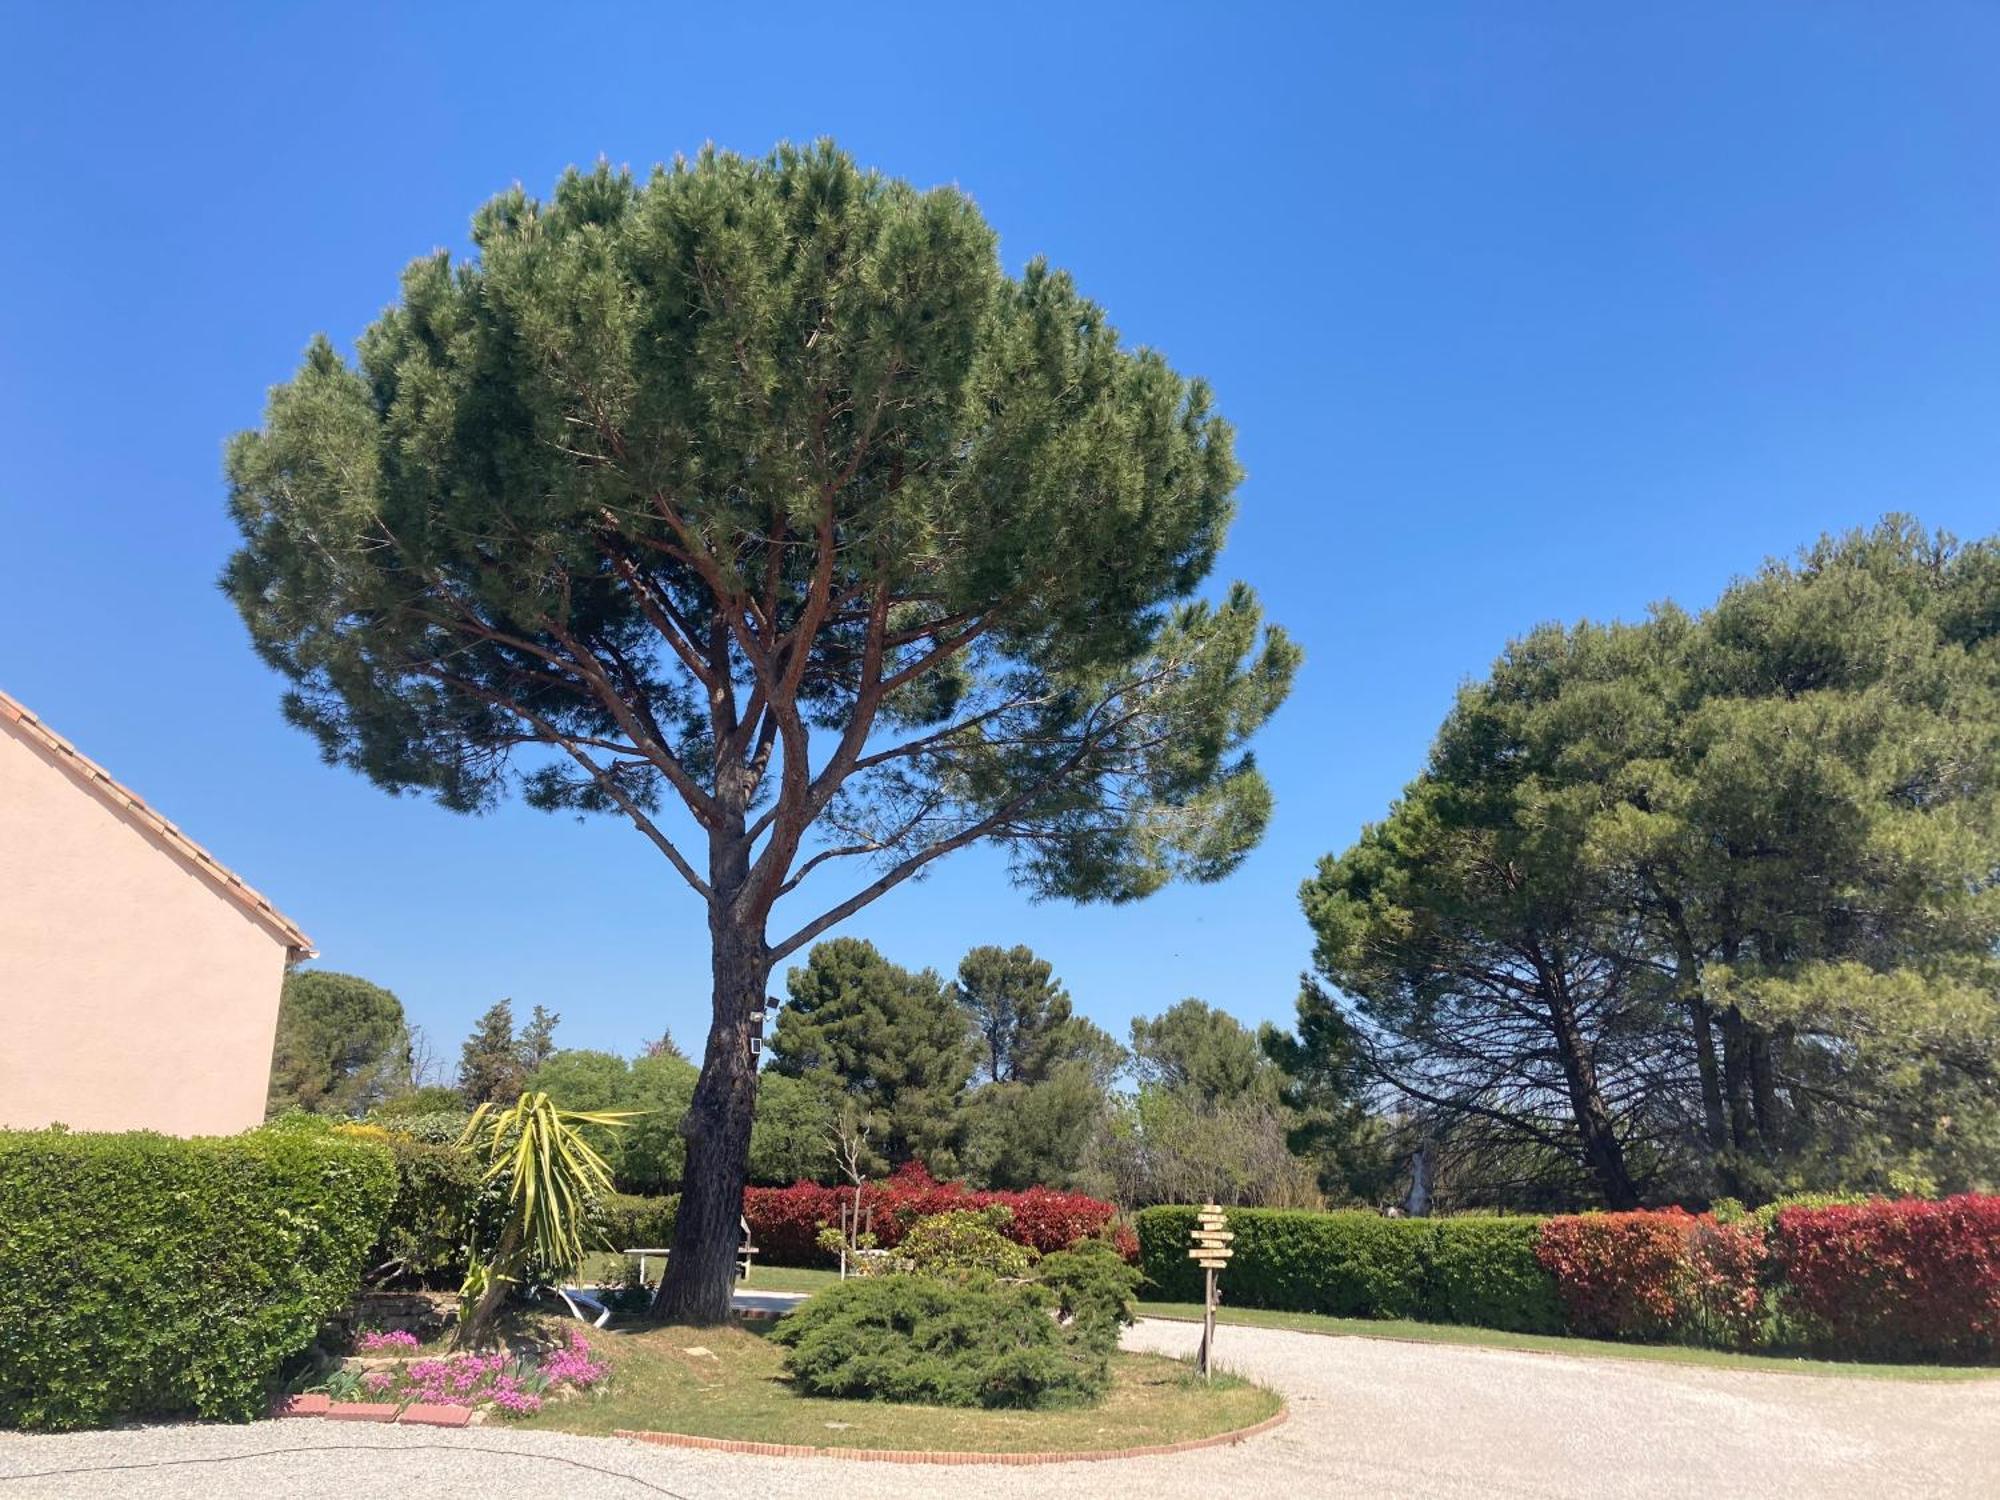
(1019, 1135)
(342, 1045)
(792, 1138)
(490, 1069)
(884, 1036)
(1706, 903)
(580, 1078)
(1020, 1012)
(654, 1154)
(759, 490)
(1327, 1088)
(1192, 1046)
(537, 1042)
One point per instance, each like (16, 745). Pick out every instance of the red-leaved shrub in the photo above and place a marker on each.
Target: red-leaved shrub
(1902, 1280)
(1723, 1285)
(1668, 1274)
(1615, 1273)
(785, 1222)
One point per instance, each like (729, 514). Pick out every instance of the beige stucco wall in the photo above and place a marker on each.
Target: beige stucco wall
(133, 993)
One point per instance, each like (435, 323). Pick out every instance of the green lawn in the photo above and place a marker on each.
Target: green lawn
(730, 1383)
(788, 1279)
(1489, 1338)
(603, 1267)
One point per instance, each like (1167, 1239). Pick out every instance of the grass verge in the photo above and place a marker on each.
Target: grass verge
(1493, 1338)
(788, 1279)
(730, 1383)
(604, 1268)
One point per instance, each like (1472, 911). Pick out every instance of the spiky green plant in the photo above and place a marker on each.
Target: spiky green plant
(552, 1175)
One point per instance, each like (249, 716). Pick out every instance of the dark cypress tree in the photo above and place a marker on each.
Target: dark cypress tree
(886, 1038)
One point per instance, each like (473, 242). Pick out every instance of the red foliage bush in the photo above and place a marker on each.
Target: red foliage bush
(1125, 1240)
(1903, 1280)
(1615, 1273)
(1669, 1274)
(785, 1222)
(1723, 1285)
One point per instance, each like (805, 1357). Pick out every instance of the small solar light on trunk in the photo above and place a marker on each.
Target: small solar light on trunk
(1211, 1252)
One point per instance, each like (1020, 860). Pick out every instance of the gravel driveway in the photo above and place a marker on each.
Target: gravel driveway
(1369, 1417)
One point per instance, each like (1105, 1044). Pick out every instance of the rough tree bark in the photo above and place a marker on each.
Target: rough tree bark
(1603, 1153)
(701, 1269)
(1701, 1022)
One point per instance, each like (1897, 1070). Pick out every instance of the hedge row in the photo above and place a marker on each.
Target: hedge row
(438, 1190)
(785, 1222)
(1909, 1280)
(1896, 1280)
(629, 1221)
(142, 1275)
(1361, 1265)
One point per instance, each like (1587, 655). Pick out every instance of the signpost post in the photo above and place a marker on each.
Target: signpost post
(1211, 1252)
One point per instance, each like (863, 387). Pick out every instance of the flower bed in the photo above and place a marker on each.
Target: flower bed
(511, 1385)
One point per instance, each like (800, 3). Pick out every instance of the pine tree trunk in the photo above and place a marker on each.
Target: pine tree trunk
(1603, 1153)
(1701, 1020)
(1714, 1128)
(1736, 1048)
(1764, 1091)
(701, 1271)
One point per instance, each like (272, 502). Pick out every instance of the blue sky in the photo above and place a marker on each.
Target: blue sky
(1522, 313)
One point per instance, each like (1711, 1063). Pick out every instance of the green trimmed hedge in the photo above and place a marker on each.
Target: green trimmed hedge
(1361, 1265)
(438, 1190)
(142, 1275)
(1483, 1271)
(629, 1220)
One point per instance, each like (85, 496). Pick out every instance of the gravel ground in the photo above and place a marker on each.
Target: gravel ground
(1369, 1417)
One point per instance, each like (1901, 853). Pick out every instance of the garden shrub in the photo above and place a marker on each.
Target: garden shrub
(1092, 1288)
(440, 1127)
(1478, 1270)
(141, 1275)
(1767, 1216)
(786, 1222)
(1483, 1271)
(965, 1243)
(941, 1343)
(438, 1190)
(1909, 1280)
(1849, 1278)
(628, 1221)
(1723, 1294)
(1615, 1273)
(1345, 1265)
(1659, 1275)
(433, 1101)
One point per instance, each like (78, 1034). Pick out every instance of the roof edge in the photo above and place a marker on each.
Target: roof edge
(109, 790)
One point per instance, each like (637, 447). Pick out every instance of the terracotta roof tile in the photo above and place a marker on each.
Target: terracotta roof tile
(110, 790)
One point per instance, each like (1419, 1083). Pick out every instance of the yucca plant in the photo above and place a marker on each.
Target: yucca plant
(552, 1176)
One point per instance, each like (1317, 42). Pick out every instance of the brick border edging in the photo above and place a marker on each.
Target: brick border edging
(953, 1459)
(412, 1414)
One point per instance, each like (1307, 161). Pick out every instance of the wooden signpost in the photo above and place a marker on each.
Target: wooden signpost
(1211, 1252)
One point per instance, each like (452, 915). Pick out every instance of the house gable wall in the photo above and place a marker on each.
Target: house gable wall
(134, 994)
